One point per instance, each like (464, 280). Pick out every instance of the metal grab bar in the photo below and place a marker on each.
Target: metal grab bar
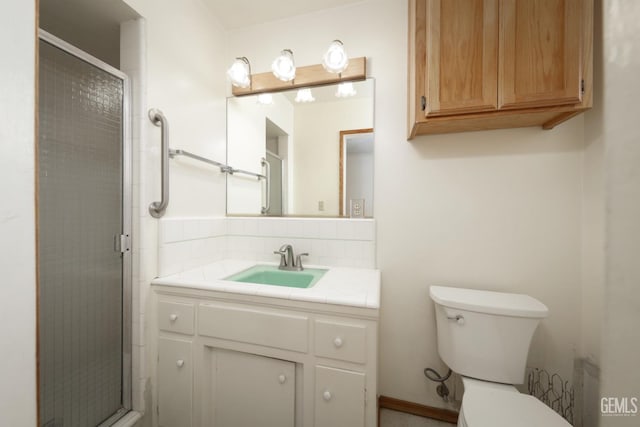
(223, 168)
(267, 181)
(157, 209)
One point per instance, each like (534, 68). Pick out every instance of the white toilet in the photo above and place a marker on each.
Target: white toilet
(484, 336)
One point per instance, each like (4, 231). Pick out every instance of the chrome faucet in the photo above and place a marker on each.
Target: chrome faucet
(287, 260)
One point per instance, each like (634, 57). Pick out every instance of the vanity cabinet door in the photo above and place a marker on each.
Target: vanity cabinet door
(252, 390)
(175, 383)
(340, 398)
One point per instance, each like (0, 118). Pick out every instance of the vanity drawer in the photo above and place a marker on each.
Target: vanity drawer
(176, 317)
(341, 341)
(254, 326)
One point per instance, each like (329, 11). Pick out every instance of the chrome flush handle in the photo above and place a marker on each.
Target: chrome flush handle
(458, 318)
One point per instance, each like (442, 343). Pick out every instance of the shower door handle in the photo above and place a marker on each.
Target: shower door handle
(157, 209)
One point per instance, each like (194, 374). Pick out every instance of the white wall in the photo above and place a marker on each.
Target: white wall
(496, 209)
(317, 154)
(621, 135)
(17, 215)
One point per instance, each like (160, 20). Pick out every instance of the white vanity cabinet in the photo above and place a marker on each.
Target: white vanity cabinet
(250, 360)
(175, 364)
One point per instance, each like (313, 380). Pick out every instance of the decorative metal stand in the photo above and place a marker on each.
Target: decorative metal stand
(553, 391)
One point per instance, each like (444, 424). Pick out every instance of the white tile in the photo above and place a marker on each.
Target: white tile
(279, 227)
(235, 226)
(327, 229)
(364, 230)
(251, 227)
(171, 230)
(265, 227)
(171, 258)
(345, 230)
(294, 228)
(191, 228)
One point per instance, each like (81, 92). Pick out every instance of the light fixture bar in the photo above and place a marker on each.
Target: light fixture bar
(309, 76)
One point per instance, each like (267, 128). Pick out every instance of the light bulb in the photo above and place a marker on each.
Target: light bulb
(283, 67)
(345, 90)
(335, 60)
(240, 72)
(304, 95)
(265, 99)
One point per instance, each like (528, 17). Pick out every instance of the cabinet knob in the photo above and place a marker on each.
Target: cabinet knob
(179, 363)
(173, 317)
(282, 378)
(326, 395)
(338, 342)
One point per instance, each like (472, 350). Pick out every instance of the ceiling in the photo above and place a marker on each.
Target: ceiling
(244, 13)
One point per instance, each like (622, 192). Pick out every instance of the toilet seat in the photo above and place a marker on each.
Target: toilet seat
(494, 407)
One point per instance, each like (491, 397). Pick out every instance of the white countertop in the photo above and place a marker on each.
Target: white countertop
(356, 287)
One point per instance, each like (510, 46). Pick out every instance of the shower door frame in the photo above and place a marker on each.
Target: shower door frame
(126, 222)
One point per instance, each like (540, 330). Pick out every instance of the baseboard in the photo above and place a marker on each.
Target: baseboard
(418, 409)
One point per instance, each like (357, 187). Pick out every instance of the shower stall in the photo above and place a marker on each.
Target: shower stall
(84, 234)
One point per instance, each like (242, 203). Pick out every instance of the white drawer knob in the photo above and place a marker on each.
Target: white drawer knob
(326, 395)
(179, 363)
(173, 317)
(338, 342)
(282, 378)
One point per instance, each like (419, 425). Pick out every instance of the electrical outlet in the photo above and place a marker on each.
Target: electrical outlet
(321, 205)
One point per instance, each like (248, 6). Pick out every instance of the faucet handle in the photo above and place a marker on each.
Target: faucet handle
(283, 259)
(299, 261)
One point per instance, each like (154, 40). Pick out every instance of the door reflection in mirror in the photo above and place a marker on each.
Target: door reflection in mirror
(302, 144)
(356, 173)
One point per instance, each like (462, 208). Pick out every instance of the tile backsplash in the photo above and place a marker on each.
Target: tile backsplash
(190, 242)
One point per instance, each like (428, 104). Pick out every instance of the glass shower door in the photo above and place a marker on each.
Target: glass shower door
(84, 347)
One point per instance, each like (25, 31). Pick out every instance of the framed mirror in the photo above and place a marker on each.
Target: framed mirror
(316, 153)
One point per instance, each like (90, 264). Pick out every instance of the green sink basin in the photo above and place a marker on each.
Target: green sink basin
(271, 275)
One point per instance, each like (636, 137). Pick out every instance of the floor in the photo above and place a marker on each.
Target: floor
(390, 418)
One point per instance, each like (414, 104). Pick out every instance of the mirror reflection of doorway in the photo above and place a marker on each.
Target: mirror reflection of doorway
(356, 173)
(276, 149)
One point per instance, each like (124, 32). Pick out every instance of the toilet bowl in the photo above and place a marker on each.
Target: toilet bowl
(486, 404)
(484, 336)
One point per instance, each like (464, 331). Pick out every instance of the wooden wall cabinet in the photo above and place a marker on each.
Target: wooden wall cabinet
(490, 64)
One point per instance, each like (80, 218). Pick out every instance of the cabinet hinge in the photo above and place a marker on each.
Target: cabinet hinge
(122, 243)
(423, 103)
(582, 86)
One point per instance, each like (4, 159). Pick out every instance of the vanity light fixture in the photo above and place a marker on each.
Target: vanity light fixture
(265, 99)
(304, 95)
(283, 67)
(335, 60)
(240, 72)
(345, 90)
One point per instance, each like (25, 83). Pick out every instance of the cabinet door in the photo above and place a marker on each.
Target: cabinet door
(251, 390)
(461, 56)
(174, 383)
(540, 53)
(339, 400)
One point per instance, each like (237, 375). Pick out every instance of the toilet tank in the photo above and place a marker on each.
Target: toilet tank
(484, 334)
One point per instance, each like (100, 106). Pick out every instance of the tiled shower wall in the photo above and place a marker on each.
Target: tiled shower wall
(186, 243)
(133, 63)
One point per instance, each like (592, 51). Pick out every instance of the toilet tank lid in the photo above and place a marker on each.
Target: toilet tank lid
(500, 303)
